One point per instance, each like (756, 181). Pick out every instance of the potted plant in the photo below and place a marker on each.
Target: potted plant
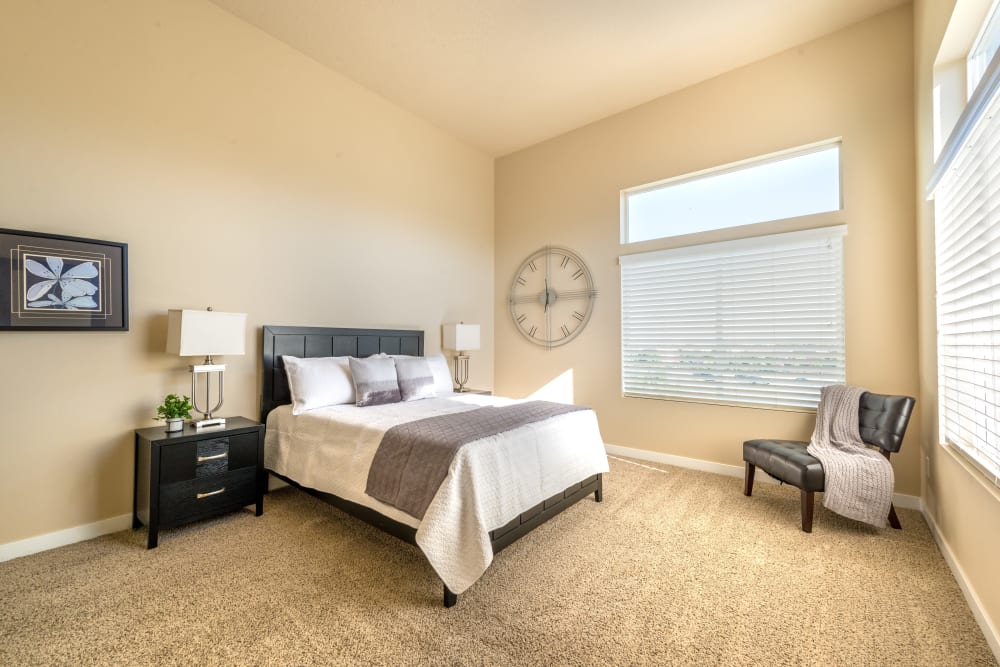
(174, 410)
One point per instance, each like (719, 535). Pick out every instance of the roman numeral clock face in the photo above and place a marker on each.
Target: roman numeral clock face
(552, 296)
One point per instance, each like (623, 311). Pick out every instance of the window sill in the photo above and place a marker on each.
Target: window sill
(720, 403)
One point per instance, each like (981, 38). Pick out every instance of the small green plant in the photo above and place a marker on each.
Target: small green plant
(174, 407)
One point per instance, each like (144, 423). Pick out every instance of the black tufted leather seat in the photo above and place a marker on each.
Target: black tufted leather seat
(786, 460)
(882, 421)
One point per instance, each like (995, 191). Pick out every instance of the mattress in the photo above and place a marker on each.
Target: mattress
(489, 482)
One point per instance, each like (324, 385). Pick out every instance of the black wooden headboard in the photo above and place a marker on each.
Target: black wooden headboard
(324, 342)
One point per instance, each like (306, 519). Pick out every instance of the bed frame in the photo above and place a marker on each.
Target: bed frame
(327, 342)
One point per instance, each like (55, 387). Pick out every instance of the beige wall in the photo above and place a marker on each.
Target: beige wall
(855, 84)
(961, 502)
(243, 176)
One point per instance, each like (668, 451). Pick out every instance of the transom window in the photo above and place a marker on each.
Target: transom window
(804, 181)
(983, 50)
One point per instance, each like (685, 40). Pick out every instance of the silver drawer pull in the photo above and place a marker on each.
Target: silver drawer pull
(211, 493)
(212, 458)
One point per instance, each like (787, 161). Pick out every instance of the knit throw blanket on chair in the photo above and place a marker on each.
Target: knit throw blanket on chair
(859, 480)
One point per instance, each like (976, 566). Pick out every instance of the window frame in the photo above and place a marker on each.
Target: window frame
(965, 422)
(983, 97)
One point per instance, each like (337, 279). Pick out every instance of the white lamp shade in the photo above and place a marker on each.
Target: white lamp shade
(195, 333)
(461, 336)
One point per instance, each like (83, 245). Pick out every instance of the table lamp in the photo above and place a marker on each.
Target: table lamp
(461, 337)
(195, 333)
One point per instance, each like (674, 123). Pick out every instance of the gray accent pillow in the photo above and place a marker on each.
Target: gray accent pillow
(374, 381)
(416, 380)
(439, 369)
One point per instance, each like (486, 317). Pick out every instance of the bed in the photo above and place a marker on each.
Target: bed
(458, 537)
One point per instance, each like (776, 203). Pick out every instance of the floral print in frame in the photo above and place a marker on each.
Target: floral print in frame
(53, 282)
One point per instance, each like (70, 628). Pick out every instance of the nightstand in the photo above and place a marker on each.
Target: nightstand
(485, 392)
(195, 474)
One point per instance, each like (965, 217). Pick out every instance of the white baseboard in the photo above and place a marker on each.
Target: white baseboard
(989, 630)
(901, 500)
(60, 538)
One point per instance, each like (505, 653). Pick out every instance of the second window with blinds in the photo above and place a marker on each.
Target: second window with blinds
(756, 321)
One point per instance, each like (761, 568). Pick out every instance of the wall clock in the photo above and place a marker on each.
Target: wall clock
(552, 296)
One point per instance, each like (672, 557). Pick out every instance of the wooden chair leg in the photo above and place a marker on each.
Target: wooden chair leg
(807, 510)
(748, 479)
(893, 519)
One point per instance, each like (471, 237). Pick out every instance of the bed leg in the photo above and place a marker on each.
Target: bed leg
(449, 598)
(599, 491)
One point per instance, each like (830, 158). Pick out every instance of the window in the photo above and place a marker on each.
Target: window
(758, 321)
(981, 53)
(966, 190)
(801, 182)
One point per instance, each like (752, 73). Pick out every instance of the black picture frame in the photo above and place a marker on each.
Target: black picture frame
(50, 282)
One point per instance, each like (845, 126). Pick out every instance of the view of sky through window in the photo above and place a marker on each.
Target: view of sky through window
(983, 50)
(800, 184)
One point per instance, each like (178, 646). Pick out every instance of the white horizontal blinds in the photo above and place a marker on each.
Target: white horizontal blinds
(967, 222)
(758, 321)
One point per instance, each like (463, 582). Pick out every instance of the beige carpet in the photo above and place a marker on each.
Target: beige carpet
(675, 567)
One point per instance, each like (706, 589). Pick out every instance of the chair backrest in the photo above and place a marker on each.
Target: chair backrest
(883, 420)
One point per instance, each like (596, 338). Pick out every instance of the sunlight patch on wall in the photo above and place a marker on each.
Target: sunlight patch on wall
(558, 389)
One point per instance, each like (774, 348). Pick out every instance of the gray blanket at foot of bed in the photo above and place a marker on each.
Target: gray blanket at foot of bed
(413, 458)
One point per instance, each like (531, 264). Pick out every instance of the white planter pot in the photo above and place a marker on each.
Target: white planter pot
(175, 425)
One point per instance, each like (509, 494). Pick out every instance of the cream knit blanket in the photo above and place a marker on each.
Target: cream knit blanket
(859, 480)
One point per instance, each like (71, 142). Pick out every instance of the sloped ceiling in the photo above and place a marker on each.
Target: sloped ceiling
(505, 74)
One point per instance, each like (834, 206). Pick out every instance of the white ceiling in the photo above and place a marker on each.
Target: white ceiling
(505, 74)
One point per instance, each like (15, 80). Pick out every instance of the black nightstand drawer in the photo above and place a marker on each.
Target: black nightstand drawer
(201, 497)
(211, 457)
(204, 458)
(199, 458)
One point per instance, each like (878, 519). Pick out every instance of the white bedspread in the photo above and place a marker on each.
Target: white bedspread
(490, 481)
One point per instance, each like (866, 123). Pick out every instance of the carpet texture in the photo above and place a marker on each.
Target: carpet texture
(675, 567)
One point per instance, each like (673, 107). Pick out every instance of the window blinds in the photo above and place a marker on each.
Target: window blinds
(967, 224)
(757, 321)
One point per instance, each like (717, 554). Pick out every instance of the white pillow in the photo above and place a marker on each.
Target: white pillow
(442, 374)
(318, 381)
(443, 384)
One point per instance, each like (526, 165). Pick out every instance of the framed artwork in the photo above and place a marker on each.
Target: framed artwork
(62, 283)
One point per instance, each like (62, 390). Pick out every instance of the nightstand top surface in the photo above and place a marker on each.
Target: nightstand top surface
(155, 433)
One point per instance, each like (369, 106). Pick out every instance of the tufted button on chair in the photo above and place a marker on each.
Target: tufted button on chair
(882, 421)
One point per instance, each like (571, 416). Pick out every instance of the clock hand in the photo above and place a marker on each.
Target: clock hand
(578, 294)
(527, 298)
(546, 295)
